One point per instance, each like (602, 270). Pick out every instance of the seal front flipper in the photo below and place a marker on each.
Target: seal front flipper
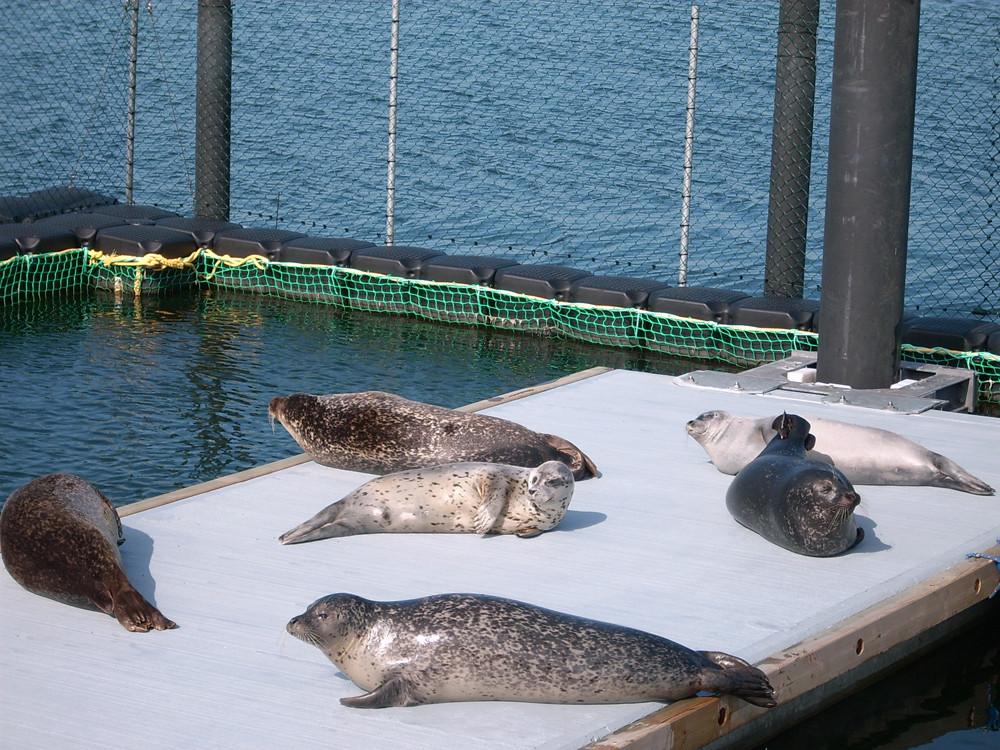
(395, 692)
(491, 505)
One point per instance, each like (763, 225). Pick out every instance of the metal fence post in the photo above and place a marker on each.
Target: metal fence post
(791, 148)
(868, 191)
(688, 149)
(390, 188)
(133, 60)
(213, 118)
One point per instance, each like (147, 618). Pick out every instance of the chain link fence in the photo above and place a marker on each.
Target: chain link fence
(544, 132)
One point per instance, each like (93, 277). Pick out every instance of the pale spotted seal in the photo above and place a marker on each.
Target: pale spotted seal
(483, 498)
(379, 433)
(467, 647)
(803, 505)
(59, 536)
(866, 455)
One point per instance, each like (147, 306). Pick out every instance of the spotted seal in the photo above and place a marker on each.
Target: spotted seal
(483, 498)
(380, 433)
(59, 537)
(866, 455)
(801, 504)
(468, 647)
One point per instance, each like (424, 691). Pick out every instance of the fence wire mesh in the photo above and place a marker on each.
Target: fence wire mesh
(545, 132)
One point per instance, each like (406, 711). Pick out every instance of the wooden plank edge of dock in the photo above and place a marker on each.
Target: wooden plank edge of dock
(284, 463)
(826, 667)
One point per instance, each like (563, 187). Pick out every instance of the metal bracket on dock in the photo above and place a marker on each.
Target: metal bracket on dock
(923, 386)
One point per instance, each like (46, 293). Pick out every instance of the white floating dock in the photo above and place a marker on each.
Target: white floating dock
(649, 544)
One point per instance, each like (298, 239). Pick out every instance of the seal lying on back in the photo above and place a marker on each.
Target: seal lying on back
(803, 505)
(473, 497)
(466, 647)
(866, 455)
(59, 536)
(379, 433)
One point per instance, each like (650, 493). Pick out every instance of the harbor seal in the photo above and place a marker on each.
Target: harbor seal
(801, 504)
(866, 455)
(483, 498)
(468, 647)
(59, 537)
(379, 433)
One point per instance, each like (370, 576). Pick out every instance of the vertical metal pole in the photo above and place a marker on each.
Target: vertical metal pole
(390, 199)
(688, 149)
(133, 60)
(868, 191)
(213, 113)
(791, 149)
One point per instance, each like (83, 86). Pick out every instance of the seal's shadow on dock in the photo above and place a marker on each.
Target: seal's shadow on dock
(870, 543)
(136, 552)
(581, 519)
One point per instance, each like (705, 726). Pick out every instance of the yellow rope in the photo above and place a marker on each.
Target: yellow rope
(151, 260)
(259, 261)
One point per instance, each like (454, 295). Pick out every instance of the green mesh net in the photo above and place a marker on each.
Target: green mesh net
(31, 276)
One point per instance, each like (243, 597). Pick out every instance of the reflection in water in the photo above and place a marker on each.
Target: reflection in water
(948, 697)
(143, 396)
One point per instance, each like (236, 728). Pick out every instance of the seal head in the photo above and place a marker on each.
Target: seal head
(483, 498)
(381, 433)
(463, 647)
(803, 505)
(59, 537)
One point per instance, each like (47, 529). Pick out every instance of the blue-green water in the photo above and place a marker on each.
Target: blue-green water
(146, 396)
(142, 396)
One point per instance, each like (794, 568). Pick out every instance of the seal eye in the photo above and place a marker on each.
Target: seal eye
(321, 615)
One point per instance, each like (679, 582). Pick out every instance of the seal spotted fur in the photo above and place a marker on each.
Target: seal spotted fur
(803, 505)
(465, 647)
(59, 536)
(866, 455)
(484, 498)
(380, 433)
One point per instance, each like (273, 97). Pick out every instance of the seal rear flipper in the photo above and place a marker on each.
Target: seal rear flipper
(954, 477)
(324, 525)
(136, 614)
(738, 677)
(573, 457)
(395, 692)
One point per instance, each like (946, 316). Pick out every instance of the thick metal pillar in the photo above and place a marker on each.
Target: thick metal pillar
(868, 191)
(791, 148)
(213, 109)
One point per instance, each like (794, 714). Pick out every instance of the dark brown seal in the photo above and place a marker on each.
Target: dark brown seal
(59, 537)
(381, 433)
(801, 504)
(468, 647)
